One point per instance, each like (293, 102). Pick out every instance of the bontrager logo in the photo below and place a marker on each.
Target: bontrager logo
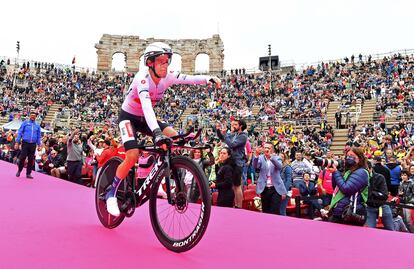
(193, 235)
(149, 177)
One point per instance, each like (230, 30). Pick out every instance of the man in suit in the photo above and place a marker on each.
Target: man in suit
(269, 184)
(309, 189)
(338, 119)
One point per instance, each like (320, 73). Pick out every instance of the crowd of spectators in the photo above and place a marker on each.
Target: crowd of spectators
(284, 102)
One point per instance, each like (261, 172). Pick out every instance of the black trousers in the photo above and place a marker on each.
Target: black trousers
(393, 189)
(271, 201)
(75, 171)
(28, 150)
(338, 123)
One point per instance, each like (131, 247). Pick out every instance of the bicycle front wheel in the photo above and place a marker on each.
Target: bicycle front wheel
(179, 226)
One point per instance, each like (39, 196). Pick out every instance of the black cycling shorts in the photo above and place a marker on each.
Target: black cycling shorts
(130, 124)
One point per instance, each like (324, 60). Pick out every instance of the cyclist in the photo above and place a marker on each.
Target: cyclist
(137, 113)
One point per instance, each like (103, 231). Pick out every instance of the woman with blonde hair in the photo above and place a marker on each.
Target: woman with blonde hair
(286, 175)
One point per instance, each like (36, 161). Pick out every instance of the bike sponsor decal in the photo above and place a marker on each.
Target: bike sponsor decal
(126, 131)
(149, 177)
(194, 234)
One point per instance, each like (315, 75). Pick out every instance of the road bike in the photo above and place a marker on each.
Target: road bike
(177, 190)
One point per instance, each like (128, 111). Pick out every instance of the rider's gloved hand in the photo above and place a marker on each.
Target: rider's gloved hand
(216, 81)
(160, 138)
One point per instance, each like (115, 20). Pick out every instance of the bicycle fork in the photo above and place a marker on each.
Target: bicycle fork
(167, 177)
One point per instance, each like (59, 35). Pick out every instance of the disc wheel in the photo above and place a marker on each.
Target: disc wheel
(104, 180)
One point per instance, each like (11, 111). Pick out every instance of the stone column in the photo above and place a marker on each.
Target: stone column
(216, 64)
(104, 60)
(132, 63)
(188, 63)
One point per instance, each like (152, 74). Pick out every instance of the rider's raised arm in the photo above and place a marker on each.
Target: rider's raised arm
(179, 78)
(145, 99)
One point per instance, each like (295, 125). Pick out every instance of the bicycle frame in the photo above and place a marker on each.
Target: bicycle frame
(142, 194)
(162, 162)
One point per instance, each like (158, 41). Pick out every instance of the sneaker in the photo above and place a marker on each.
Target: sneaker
(18, 174)
(161, 192)
(324, 212)
(29, 176)
(111, 201)
(112, 206)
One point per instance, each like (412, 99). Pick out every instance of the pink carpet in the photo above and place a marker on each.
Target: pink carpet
(50, 223)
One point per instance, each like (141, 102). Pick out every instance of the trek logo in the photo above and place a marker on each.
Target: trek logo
(194, 234)
(149, 177)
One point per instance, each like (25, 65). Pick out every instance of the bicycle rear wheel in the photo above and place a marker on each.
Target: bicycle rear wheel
(105, 179)
(181, 225)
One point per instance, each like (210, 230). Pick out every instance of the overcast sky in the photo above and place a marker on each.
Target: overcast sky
(302, 31)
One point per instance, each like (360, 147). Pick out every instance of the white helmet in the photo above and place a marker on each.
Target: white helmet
(156, 49)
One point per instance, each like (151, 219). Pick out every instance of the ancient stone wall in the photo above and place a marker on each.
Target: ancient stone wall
(133, 48)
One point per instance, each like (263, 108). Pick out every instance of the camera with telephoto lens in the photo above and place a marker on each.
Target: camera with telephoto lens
(328, 163)
(350, 217)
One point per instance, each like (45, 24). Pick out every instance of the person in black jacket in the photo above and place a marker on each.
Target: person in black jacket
(224, 178)
(406, 195)
(309, 189)
(381, 169)
(377, 196)
(338, 119)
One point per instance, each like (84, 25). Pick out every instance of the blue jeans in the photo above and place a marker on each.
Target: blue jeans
(244, 175)
(283, 206)
(407, 219)
(372, 215)
(326, 199)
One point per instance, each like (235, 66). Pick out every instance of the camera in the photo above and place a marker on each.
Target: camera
(328, 163)
(353, 218)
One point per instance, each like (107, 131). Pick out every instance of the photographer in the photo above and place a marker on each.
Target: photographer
(325, 184)
(197, 155)
(348, 187)
(236, 141)
(75, 158)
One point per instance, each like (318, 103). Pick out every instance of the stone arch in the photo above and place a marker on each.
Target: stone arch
(176, 62)
(201, 62)
(118, 58)
(133, 47)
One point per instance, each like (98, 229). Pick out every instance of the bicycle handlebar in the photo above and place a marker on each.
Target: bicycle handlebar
(182, 136)
(179, 141)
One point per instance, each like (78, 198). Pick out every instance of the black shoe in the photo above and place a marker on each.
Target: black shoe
(29, 176)
(18, 174)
